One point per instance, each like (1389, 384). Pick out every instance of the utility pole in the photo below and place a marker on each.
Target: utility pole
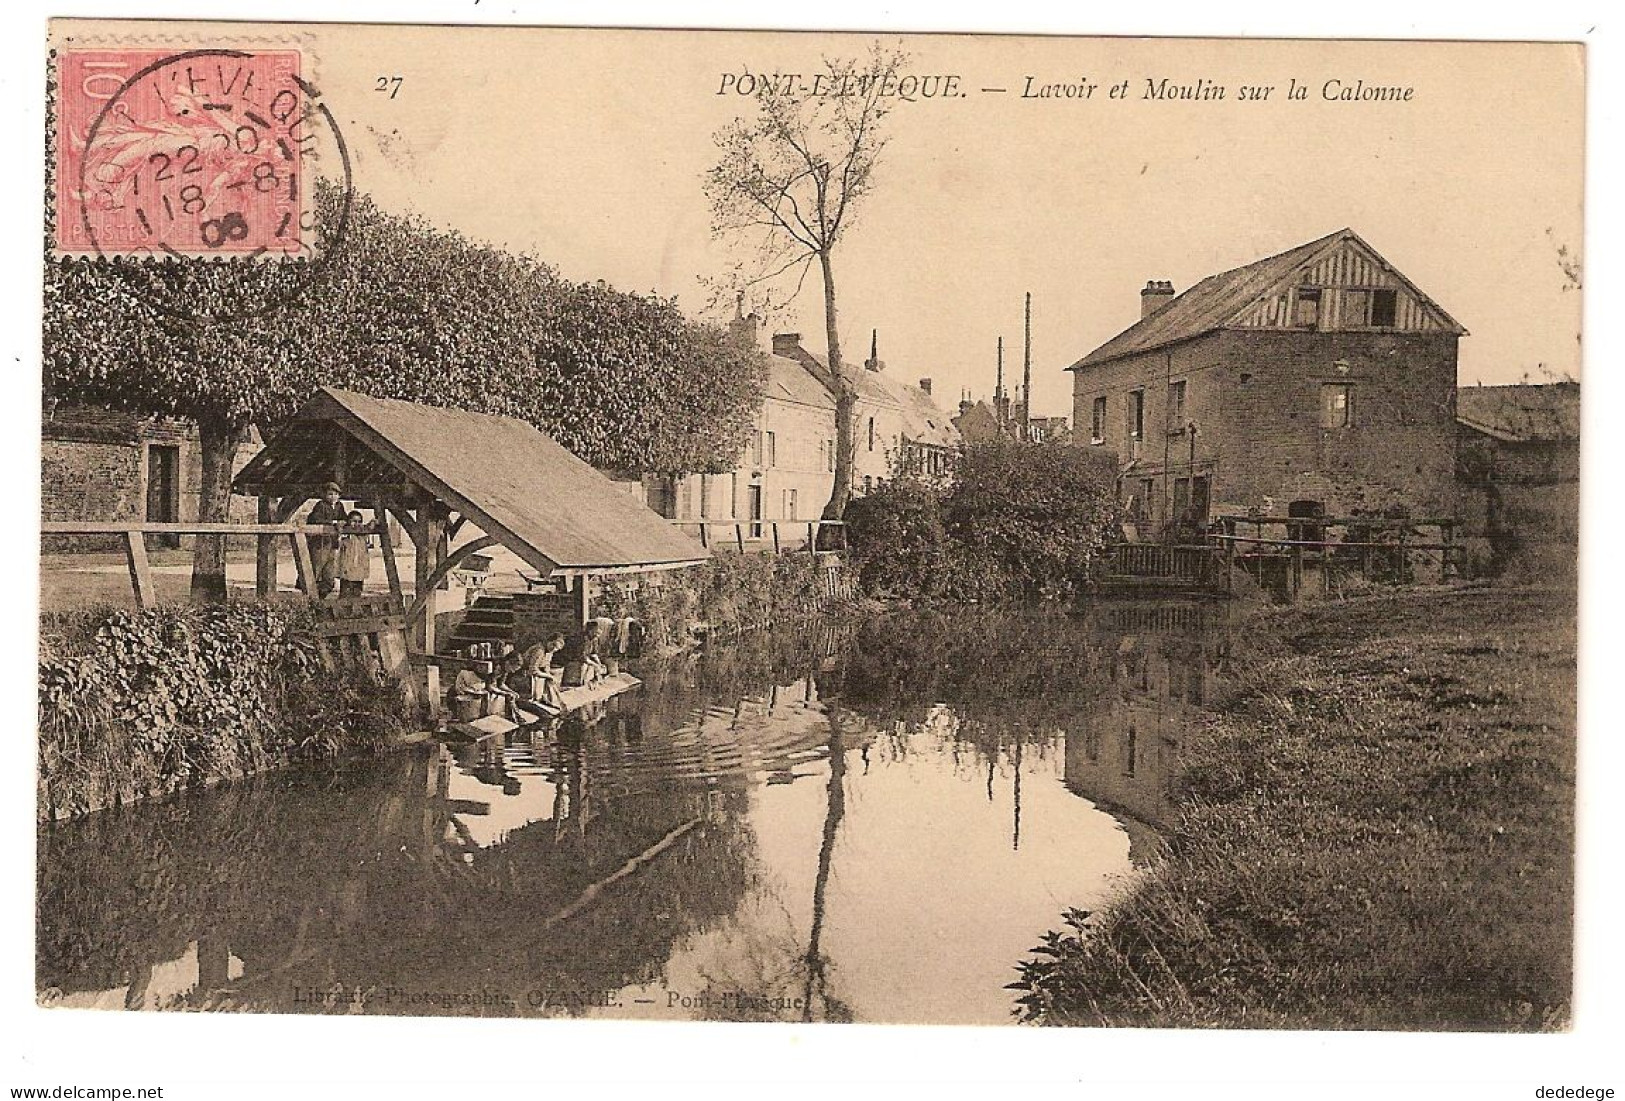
(998, 388)
(1027, 374)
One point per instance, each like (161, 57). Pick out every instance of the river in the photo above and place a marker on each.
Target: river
(853, 822)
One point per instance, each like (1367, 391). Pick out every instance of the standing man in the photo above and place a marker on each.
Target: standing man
(329, 512)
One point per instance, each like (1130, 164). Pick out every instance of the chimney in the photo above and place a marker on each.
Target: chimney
(744, 329)
(925, 384)
(786, 344)
(874, 362)
(1157, 294)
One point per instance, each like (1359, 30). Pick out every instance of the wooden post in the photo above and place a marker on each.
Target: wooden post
(583, 599)
(265, 550)
(429, 538)
(135, 548)
(301, 558)
(739, 536)
(775, 525)
(705, 534)
(1296, 570)
(812, 536)
(386, 546)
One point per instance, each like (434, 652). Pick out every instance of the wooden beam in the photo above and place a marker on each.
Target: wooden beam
(386, 546)
(121, 527)
(443, 571)
(265, 550)
(301, 558)
(135, 549)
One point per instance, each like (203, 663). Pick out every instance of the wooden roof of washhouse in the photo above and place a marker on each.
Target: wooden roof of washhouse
(514, 482)
(1244, 297)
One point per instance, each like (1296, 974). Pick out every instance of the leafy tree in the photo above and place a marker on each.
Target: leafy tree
(1018, 518)
(1038, 511)
(401, 310)
(786, 187)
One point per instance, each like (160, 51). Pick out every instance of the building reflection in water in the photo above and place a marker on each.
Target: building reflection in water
(1123, 752)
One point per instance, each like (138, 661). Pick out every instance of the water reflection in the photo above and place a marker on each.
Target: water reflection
(871, 822)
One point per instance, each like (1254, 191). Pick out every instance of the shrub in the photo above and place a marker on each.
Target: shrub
(1017, 520)
(153, 700)
(729, 593)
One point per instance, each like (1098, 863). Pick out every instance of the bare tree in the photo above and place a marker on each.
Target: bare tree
(786, 186)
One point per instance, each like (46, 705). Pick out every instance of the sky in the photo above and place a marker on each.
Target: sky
(587, 148)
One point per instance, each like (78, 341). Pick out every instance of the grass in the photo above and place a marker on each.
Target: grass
(1376, 830)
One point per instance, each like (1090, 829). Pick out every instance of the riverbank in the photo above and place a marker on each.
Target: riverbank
(1376, 831)
(141, 705)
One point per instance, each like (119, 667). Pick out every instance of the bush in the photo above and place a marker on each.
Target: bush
(140, 702)
(729, 593)
(1017, 521)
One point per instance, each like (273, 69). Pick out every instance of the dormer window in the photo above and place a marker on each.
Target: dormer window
(1308, 315)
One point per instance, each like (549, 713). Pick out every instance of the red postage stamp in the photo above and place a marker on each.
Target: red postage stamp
(194, 154)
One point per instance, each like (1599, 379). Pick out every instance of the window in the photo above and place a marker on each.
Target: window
(1308, 307)
(871, 433)
(1176, 406)
(1136, 415)
(1097, 423)
(1384, 308)
(1142, 510)
(772, 449)
(754, 498)
(789, 504)
(705, 496)
(1336, 405)
(756, 450)
(1356, 309)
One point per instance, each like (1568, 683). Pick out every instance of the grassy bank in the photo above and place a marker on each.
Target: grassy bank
(134, 705)
(1376, 831)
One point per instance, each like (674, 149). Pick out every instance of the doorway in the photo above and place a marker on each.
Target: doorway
(164, 490)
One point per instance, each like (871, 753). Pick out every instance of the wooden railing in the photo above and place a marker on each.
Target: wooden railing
(780, 536)
(1160, 563)
(1369, 545)
(135, 544)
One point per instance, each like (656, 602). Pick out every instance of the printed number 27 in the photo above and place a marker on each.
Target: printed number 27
(390, 84)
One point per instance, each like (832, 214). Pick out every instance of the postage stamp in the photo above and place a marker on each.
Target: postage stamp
(201, 153)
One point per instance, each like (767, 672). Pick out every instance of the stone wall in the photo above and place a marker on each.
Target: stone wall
(94, 466)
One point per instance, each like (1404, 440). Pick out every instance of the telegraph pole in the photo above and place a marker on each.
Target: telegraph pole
(1027, 374)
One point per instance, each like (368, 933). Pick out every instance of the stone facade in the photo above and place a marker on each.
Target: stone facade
(103, 464)
(1244, 415)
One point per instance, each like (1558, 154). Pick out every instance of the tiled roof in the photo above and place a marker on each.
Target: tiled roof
(1213, 302)
(1522, 413)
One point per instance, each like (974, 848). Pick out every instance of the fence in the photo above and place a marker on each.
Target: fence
(1160, 566)
(1374, 548)
(779, 536)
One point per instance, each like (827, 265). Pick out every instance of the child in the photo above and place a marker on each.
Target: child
(355, 558)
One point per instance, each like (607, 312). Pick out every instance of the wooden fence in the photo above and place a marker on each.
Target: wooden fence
(1161, 566)
(778, 536)
(1373, 548)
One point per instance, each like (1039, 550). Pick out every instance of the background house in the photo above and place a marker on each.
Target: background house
(1319, 375)
(105, 464)
(1518, 466)
(787, 470)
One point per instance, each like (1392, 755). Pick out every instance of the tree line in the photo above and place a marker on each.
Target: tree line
(399, 309)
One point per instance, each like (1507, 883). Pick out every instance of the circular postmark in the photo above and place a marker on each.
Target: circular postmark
(216, 180)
